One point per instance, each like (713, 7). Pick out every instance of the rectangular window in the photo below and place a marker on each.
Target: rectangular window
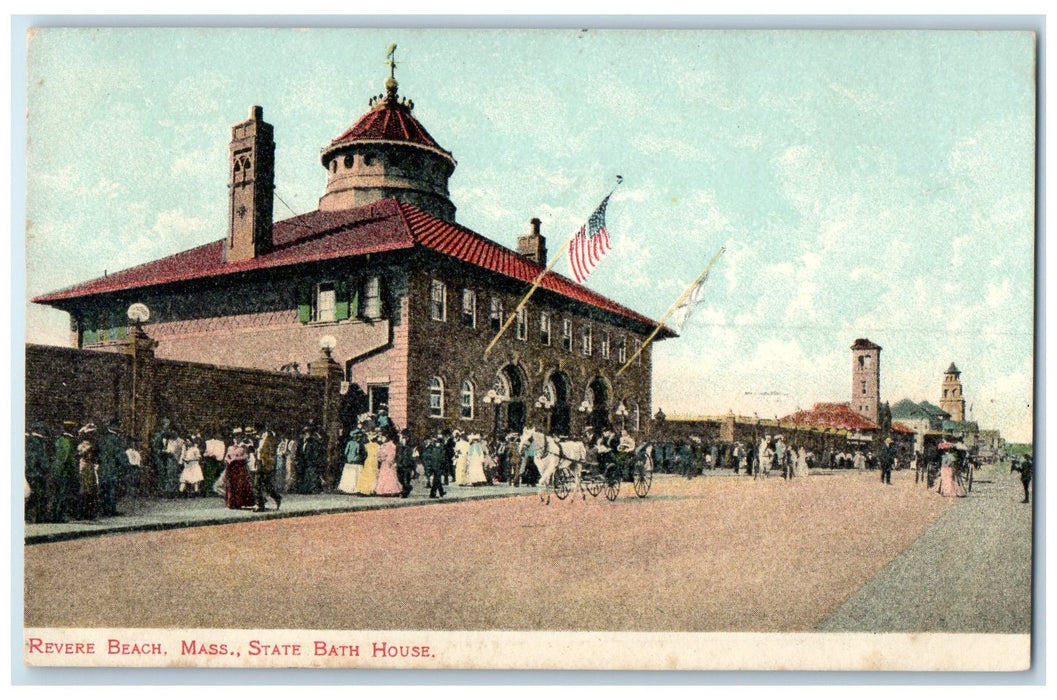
(636, 345)
(622, 349)
(469, 308)
(495, 314)
(864, 388)
(545, 328)
(438, 301)
(585, 340)
(371, 302)
(605, 345)
(567, 334)
(521, 324)
(326, 302)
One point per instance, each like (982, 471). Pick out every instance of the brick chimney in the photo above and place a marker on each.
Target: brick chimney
(251, 183)
(532, 245)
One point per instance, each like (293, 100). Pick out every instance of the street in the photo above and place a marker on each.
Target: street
(718, 554)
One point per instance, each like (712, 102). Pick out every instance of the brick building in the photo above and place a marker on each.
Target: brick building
(405, 299)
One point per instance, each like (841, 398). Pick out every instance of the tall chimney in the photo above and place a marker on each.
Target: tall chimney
(251, 185)
(532, 245)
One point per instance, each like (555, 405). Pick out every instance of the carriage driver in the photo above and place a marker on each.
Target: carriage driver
(605, 447)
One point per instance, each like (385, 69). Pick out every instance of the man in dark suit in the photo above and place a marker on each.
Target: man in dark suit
(433, 461)
(887, 460)
(1025, 469)
(38, 471)
(113, 469)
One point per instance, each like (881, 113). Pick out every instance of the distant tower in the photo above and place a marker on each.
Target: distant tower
(953, 401)
(866, 379)
(251, 187)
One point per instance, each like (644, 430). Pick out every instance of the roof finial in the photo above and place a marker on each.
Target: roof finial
(390, 83)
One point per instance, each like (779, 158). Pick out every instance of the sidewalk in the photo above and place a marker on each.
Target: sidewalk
(140, 515)
(969, 572)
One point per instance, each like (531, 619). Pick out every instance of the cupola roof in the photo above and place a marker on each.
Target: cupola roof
(388, 121)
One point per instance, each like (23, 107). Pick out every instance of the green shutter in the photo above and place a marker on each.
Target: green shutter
(354, 299)
(304, 301)
(341, 300)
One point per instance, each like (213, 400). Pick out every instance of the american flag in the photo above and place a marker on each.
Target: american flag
(590, 244)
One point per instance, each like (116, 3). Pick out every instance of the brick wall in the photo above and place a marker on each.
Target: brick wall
(78, 385)
(208, 398)
(88, 385)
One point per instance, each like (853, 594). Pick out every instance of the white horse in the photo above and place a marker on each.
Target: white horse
(551, 454)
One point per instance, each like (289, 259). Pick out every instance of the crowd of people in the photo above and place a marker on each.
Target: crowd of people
(83, 473)
(78, 475)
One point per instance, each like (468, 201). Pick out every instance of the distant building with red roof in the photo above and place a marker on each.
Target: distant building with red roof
(839, 416)
(381, 271)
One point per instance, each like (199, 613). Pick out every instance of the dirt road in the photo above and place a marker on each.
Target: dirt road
(712, 554)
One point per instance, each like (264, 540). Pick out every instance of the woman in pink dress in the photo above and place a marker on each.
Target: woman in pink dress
(949, 485)
(388, 481)
(238, 491)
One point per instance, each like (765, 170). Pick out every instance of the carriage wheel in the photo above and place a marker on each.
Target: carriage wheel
(612, 486)
(562, 477)
(593, 485)
(643, 479)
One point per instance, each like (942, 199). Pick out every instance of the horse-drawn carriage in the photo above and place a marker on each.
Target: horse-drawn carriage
(567, 465)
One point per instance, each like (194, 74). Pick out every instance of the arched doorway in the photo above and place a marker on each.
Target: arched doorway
(598, 398)
(557, 389)
(510, 384)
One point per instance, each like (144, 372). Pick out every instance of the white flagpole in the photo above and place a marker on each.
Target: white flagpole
(670, 311)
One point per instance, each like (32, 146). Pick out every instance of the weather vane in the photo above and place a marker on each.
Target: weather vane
(390, 56)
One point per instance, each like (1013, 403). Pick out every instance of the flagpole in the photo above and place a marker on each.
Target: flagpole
(535, 283)
(670, 311)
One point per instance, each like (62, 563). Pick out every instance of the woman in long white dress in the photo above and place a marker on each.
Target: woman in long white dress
(462, 450)
(800, 465)
(475, 459)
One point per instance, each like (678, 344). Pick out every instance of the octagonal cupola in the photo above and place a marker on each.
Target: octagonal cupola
(387, 153)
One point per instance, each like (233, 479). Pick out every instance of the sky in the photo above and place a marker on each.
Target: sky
(862, 184)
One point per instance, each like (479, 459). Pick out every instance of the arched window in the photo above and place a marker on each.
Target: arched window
(436, 397)
(466, 400)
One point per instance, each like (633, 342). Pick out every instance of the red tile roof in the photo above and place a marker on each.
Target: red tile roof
(386, 225)
(389, 121)
(900, 428)
(831, 415)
